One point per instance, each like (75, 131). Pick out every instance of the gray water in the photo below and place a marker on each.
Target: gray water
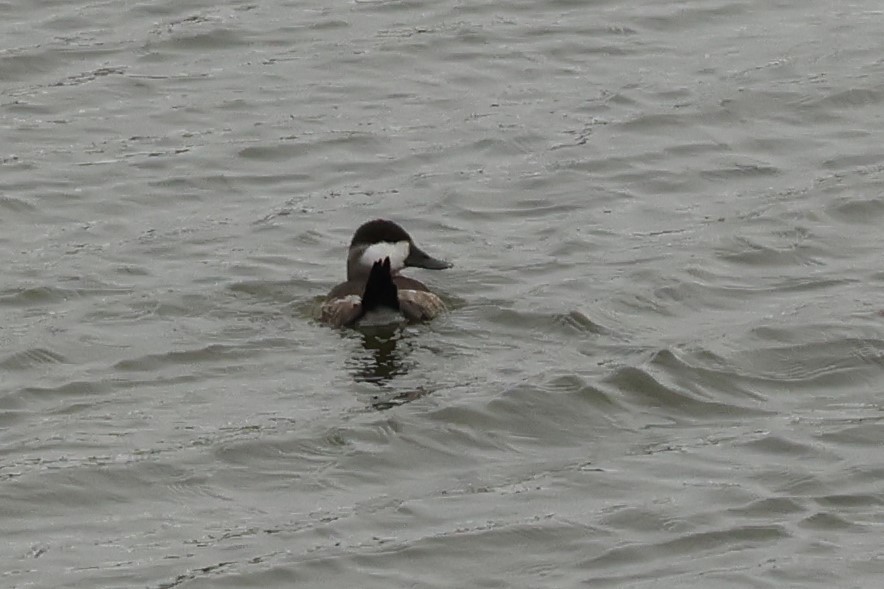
(662, 365)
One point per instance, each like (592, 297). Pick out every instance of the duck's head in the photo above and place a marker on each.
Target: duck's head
(379, 239)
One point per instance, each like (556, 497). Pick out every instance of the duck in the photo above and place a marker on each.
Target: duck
(375, 292)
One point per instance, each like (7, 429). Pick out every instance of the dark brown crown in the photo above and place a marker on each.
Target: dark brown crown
(378, 231)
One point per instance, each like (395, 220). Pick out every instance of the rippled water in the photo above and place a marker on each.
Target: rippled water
(663, 360)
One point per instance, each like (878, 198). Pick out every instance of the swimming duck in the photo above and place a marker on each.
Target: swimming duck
(375, 292)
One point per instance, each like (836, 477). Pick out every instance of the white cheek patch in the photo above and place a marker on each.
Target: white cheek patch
(397, 252)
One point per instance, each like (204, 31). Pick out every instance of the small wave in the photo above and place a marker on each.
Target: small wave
(642, 388)
(31, 358)
(858, 210)
(205, 354)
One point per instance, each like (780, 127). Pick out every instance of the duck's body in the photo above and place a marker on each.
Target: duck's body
(375, 291)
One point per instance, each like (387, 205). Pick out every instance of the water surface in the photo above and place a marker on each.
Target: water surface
(663, 359)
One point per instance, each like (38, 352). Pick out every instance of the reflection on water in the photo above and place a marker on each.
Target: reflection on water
(383, 358)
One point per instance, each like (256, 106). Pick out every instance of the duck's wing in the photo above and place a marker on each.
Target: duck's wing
(419, 305)
(341, 312)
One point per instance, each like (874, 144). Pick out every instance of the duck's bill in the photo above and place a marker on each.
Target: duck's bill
(419, 259)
